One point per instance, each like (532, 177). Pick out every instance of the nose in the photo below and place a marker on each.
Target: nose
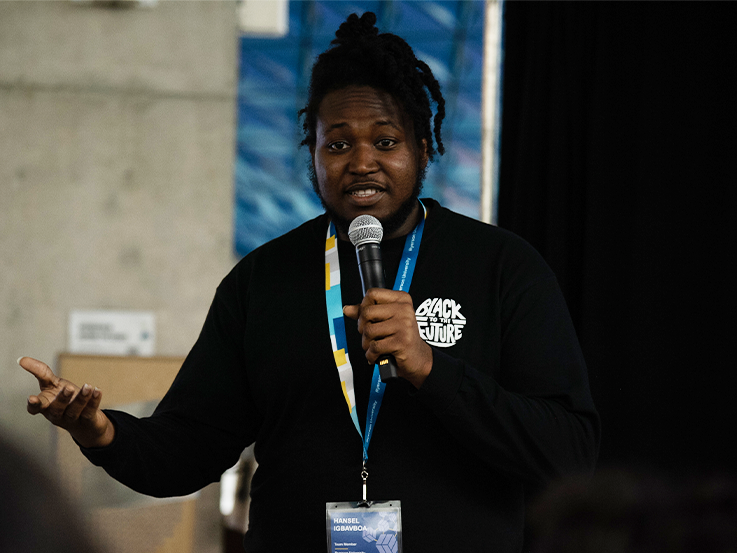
(363, 159)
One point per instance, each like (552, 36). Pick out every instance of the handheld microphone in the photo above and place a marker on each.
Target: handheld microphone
(365, 233)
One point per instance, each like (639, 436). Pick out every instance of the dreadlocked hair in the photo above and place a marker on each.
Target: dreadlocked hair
(360, 56)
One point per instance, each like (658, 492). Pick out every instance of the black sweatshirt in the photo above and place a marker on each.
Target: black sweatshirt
(506, 404)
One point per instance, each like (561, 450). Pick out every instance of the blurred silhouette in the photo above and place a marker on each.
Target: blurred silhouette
(35, 514)
(630, 511)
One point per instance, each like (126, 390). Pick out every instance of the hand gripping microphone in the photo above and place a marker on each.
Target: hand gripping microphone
(365, 233)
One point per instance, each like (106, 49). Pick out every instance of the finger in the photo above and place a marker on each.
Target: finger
(381, 347)
(79, 403)
(379, 330)
(377, 313)
(384, 295)
(93, 405)
(395, 336)
(55, 409)
(42, 372)
(380, 338)
(34, 405)
(386, 312)
(352, 311)
(41, 401)
(384, 339)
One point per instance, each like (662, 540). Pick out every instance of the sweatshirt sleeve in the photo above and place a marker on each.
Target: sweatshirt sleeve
(534, 419)
(204, 422)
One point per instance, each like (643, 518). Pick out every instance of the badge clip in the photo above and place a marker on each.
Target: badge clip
(364, 476)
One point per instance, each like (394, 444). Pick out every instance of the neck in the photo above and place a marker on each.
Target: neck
(411, 222)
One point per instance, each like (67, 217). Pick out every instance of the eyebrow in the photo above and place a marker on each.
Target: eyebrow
(380, 123)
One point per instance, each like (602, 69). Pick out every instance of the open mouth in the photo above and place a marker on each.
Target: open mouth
(365, 193)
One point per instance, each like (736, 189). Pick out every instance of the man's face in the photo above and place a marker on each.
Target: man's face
(366, 160)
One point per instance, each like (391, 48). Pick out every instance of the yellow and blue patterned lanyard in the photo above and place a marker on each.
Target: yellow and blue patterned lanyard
(336, 323)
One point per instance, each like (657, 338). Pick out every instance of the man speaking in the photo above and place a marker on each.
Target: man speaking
(492, 393)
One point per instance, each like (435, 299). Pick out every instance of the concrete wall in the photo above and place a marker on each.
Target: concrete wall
(116, 156)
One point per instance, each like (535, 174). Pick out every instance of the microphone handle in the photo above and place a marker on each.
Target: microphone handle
(387, 368)
(371, 268)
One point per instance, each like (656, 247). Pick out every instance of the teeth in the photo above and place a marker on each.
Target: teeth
(364, 193)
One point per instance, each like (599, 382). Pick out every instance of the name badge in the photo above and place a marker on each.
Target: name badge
(364, 527)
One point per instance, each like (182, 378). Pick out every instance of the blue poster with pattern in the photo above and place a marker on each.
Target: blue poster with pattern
(273, 193)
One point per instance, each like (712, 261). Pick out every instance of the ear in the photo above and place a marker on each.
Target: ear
(423, 154)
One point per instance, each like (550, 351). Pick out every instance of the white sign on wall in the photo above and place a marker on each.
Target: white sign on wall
(112, 332)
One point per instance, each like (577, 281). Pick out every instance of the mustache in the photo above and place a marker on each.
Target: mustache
(390, 223)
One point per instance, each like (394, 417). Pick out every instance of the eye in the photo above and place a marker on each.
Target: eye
(338, 146)
(386, 143)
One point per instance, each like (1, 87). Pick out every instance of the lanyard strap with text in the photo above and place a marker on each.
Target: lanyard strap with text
(337, 325)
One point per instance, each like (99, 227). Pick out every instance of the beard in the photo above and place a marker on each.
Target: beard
(390, 223)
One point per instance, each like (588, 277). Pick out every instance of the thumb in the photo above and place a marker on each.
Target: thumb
(351, 311)
(40, 370)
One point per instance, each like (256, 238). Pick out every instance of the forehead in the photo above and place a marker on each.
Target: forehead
(359, 105)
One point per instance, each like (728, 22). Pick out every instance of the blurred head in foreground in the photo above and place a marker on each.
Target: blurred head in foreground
(629, 512)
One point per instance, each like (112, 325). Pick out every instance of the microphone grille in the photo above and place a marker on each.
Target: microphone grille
(365, 228)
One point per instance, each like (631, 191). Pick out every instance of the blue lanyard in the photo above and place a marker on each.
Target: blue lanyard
(402, 283)
(337, 327)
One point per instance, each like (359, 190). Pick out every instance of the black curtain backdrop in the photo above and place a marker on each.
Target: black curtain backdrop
(619, 141)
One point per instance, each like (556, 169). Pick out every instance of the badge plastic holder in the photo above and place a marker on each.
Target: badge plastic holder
(364, 527)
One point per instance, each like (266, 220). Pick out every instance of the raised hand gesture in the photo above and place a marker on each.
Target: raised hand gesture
(67, 406)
